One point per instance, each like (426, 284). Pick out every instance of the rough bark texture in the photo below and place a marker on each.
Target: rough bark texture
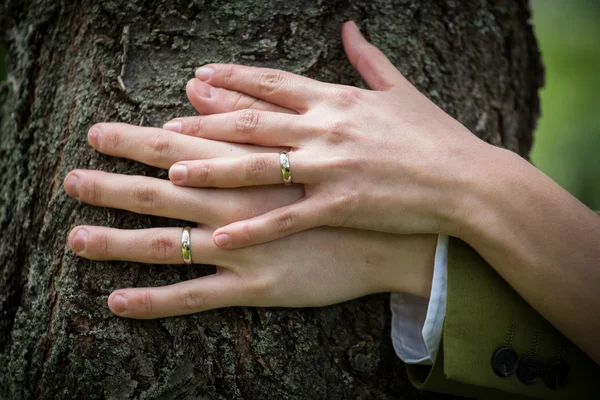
(74, 63)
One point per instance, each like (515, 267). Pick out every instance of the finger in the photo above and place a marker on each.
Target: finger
(369, 61)
(158, 147)
(270, 226)
(263, 128)
(223, 289)
(208, 99)
(281, 88)
(251, 170)
(144, 195)
(150, 246)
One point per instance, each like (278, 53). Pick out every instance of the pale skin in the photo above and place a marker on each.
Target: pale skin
(384, 160)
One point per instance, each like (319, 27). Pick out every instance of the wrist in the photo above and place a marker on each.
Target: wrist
(492, 181)
(465, 176)
(408, 267)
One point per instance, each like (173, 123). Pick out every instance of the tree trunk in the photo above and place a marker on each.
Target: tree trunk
(74, 63)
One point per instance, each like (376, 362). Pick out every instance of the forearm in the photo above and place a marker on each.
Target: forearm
(540, 239)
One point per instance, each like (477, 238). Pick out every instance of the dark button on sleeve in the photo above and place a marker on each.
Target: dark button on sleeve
(557, 375)
(505, 361)
(530, 369)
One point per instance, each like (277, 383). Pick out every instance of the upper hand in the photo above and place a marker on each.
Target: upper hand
(386, 160)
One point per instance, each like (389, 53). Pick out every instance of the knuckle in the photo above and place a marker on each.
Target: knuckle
(145, 303)
(203, 172)
(162, 248)
(158, 145)
(364, 58)
(190, 299)
(247, 121)
(198, 126)
(369, 57)
(270, 82)
(360, 59)
(99, 241)
(347, 97)
(255, 167)
(145, 197)
(90, 190)
(285, 222)
(337, 131)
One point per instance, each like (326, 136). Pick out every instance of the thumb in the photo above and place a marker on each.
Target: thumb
(368, 60)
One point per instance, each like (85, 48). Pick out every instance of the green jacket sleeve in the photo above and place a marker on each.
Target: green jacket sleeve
(483, 315)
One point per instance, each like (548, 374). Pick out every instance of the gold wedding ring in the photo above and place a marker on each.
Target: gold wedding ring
(186, 245)
(286, 172)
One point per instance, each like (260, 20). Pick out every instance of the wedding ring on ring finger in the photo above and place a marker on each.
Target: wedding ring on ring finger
(286, 172)
(186, 244)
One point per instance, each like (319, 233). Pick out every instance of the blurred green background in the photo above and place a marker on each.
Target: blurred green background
(567, 141)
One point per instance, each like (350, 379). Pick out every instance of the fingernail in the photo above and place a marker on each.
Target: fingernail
(178, 172)
(203, 89)
(222, 240)
(72, 185)
(119, 303)
(174, 126)
(80, 240)
(94, 136)
(204, 73)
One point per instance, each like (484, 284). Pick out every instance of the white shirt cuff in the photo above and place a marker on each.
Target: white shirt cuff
(417, 321)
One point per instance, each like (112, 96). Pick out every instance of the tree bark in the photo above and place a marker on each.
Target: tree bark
(75, 63)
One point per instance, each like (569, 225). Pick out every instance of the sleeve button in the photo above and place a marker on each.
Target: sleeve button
(505, 361)
(557, 375)
(530, 369)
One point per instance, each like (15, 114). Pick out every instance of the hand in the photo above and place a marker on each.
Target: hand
(386, 160)
(314, 268)
(317, 267)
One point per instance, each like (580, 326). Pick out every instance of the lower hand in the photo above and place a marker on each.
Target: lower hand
(313, 268)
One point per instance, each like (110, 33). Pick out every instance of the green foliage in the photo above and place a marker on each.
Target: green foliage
(567, 141)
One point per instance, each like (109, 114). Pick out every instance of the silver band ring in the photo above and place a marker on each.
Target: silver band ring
(186, 245)
(286, 172)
